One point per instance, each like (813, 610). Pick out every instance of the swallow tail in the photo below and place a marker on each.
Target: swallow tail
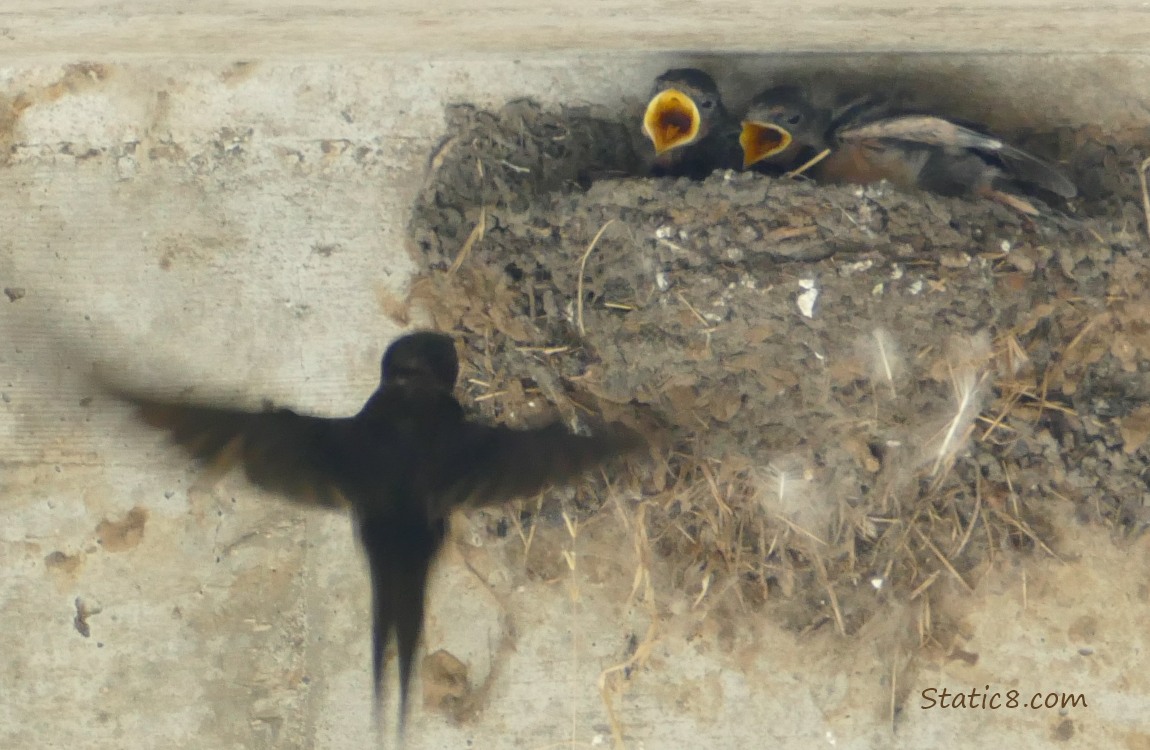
(400, 553)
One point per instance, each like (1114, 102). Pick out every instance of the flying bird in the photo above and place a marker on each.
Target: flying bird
(867, 139)
(402, 464)
(691, 131)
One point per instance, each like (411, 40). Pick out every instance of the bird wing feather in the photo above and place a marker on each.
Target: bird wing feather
(940, 132)
(491, 465)
(296, 456)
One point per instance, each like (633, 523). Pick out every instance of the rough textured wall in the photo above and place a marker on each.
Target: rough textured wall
(239, 224)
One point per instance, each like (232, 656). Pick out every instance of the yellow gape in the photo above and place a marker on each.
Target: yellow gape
(761, 140)
(671, 120)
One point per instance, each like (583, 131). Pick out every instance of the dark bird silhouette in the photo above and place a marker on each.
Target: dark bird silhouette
(402, 464)
(691, 131)
(867, 139)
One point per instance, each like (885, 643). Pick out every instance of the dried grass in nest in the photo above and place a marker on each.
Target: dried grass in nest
(932, 521)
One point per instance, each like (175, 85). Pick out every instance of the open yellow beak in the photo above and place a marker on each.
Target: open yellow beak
(671, 120)
(760, 141)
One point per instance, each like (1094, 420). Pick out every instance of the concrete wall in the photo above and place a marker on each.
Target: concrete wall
(451, 27)
(216, 194)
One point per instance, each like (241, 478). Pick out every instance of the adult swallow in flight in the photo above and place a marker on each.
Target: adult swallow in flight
(868, 140)
(402, 464)
(690, 129)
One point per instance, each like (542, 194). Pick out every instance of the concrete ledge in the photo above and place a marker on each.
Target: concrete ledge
(452, 27)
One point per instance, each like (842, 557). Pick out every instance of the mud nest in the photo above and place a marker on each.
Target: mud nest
(869, 394)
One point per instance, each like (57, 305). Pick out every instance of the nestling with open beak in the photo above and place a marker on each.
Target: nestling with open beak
(402, 465)
(692, 133)
(866, 140)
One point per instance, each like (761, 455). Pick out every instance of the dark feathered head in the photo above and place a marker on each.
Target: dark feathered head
(424, 356)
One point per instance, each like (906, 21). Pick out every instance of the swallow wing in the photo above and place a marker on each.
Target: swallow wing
(937, 131)
(491, 465)
(925, 129)
(293, 455)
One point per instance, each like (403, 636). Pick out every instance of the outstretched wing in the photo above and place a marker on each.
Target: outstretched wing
(936, 131)
(295, 456)
(490, 465)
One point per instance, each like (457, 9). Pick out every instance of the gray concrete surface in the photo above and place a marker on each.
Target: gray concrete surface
(450, 27)
(240, 226)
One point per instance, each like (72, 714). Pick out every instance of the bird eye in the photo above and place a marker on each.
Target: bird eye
(795, 119)
(706, 104)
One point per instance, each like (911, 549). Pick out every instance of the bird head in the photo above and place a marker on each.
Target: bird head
(777, 119)
(424, 356)
(685, 104)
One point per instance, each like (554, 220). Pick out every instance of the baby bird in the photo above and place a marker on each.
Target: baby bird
(691, 131)
(867, 140)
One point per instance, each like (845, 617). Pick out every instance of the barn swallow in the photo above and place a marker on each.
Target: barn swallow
(867, 140)
(690, 129)
(402, 464)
